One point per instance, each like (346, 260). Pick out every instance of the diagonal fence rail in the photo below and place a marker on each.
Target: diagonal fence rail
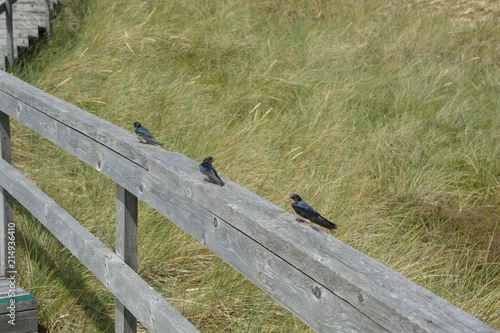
(123, 282)
(330, 286)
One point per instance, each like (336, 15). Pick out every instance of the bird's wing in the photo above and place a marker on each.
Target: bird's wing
(144, 132)
(202, 169)
(210, 172)
(304, 210)
(323, 222)
(215, 177)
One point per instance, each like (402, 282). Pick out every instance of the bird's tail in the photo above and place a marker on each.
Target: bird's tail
(156, 142)
(325, 223)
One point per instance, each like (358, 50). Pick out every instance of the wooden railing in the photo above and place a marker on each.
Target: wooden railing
(330, 286)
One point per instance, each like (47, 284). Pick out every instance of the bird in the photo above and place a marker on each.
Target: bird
(208, 170)
(144, 135)
(304, 210)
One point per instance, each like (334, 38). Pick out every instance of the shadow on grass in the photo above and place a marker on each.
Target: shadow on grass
(70, 273)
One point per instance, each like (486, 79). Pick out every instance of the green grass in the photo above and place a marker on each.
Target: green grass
(385, 117)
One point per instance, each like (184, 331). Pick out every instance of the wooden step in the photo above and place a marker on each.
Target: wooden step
(29, 18)
(18, 313)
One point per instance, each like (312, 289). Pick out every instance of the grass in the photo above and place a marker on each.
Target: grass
(383, 116)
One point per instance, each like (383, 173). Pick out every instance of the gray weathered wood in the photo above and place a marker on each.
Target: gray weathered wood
(3, 5)
(9, 30)
(20, 21)
(126, 249)
(6, 202)
(25, 309)
(326, 283)
(191, 216)
(149, 307)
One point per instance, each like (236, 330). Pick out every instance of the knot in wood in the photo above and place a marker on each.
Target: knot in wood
(141, 187)
(317, 292)
(215, 222)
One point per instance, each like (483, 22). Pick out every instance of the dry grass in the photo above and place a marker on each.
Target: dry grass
(383, 115)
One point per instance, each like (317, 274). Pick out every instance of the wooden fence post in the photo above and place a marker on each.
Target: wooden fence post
(126, 248)
(6, 201)
(9, 23)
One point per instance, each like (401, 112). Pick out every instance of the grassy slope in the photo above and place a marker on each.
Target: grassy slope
(385, 117)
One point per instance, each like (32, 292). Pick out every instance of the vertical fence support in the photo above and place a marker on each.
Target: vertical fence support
(126, 248)
(10, 31)
(6, 201)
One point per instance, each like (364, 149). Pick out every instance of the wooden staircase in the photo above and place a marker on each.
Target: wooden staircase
(18, 312)
(30, 20)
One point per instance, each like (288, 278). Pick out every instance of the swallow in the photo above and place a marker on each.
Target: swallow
(144, 135)
(208, 170)
(304, 210)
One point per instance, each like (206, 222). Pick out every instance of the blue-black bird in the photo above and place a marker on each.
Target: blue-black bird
(144, 135)
(208, 170)
(304, 210)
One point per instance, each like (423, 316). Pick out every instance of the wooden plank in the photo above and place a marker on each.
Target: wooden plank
(126, 249)
(23, 309)
(23, 301)
(26, 322)
(28, 5)
(9, 51)
(6, 289)
(63, 115)
(154, 192)
(126, 226)
(3, 6)
(149, 307)
(6, 201)
(326, 283)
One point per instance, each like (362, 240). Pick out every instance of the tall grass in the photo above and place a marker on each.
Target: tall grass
(385, 117)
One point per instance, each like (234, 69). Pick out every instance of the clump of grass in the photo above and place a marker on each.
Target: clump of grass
(383, 116)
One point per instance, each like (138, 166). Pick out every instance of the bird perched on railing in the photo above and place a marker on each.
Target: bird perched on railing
(144, 135)
(304, 210)
(208, 170)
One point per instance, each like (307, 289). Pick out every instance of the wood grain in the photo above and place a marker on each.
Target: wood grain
(126, 249)
(21, 21)
(6, 201)
(149, 307)
(25, 309)
(324, 282)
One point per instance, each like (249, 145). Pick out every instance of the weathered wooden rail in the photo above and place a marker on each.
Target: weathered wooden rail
(330, 286)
